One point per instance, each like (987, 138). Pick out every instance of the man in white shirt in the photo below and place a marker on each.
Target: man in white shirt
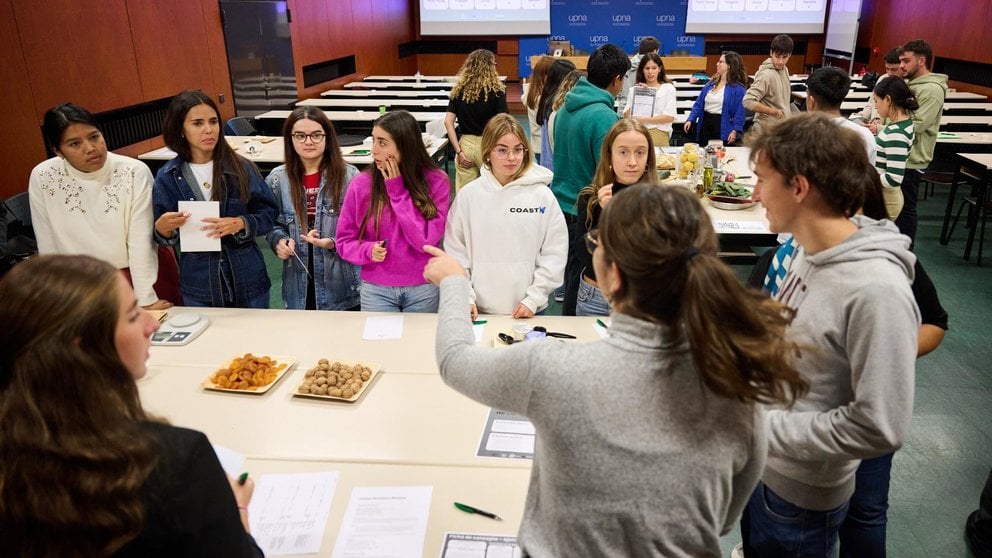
(826, 89)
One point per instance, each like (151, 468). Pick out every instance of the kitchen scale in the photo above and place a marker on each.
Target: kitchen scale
(180, 329)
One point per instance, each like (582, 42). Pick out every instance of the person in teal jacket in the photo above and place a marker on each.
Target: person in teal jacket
(580, 126)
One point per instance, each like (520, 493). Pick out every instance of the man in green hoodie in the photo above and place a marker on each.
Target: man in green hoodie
(580, 126)
(915, 62)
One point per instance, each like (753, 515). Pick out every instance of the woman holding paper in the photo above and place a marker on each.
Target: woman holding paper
(310, 189)
(85, 472)
(391, 210)
(650, 440)
(86, 200)
(231, 273)
(658, 111)
(718, 113)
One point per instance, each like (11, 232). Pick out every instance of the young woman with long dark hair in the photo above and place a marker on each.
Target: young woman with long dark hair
(206, 168)
(309, 189)
(391, 210)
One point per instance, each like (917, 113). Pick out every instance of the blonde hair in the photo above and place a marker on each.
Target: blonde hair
(478, 77)
(604, 170)
(567, 85)
(499, 126)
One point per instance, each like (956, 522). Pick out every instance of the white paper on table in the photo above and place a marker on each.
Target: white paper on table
(383, 327)
(478, 545)
(288, 513)
(191, 236)
(516, 443)
(231, 461)
(479, 330)
(642, 103)
(739, 226)
(514, 426)
(384, 521)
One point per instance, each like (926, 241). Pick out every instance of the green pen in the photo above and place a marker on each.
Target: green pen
(469, 509)
(601, 324)
(480, 322)
(242, 478)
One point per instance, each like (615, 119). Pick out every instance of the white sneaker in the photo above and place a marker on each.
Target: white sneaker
(738, 551)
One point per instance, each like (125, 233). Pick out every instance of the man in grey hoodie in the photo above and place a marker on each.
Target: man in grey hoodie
(770, 94)
(915, 62)
(849, 285)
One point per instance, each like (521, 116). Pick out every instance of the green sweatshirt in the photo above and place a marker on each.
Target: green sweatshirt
(929, 91)
(580, 126)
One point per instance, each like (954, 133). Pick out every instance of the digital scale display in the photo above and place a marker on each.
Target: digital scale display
(180, 329)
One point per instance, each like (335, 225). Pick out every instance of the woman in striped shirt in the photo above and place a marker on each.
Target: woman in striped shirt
(895, 103)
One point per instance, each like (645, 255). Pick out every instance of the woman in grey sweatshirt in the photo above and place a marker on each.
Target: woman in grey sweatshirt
(649, 441)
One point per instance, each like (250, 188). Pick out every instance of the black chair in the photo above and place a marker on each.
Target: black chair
(979, 205)
(239, 126)
(19, 207)
(931, 178)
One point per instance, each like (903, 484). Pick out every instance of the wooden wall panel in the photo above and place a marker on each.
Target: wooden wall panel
(169, 61)
(21, 142)
(216, 53)
(310, 28)
(954, 28)
(78, 51)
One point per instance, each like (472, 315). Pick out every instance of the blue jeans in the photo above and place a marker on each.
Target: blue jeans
(863, 533)
(772, 527)
(415, 298)
(260, 301)
(591, 301)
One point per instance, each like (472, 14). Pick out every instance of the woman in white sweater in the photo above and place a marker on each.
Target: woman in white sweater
(650, 441)
(86, 200)
(506, 228)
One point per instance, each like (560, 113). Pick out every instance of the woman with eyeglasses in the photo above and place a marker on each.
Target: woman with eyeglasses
(391, 210)
(649, 441)
(477, 96)
(84, 470)
(309, 190)
(627, 157)
(506, 229)
(208, 169)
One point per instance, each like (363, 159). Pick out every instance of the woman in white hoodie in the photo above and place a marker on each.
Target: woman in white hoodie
(506, 229)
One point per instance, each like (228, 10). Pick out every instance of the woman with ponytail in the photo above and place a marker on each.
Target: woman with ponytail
(649, 441)
(895, 103)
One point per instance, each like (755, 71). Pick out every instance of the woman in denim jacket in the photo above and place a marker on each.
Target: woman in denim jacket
(208, 169)
(309, 190)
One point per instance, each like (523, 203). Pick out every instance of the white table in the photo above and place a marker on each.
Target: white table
(273, 152)
(498, 490)
(351, 115)
(399, 85)
(415, 78)
(950, 106)
(352, 103)
(865, 95)
(388, 93)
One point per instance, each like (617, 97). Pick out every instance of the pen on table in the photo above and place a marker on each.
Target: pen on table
(602, 324)
(242, 478)
(469, 509)
(479, 322)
